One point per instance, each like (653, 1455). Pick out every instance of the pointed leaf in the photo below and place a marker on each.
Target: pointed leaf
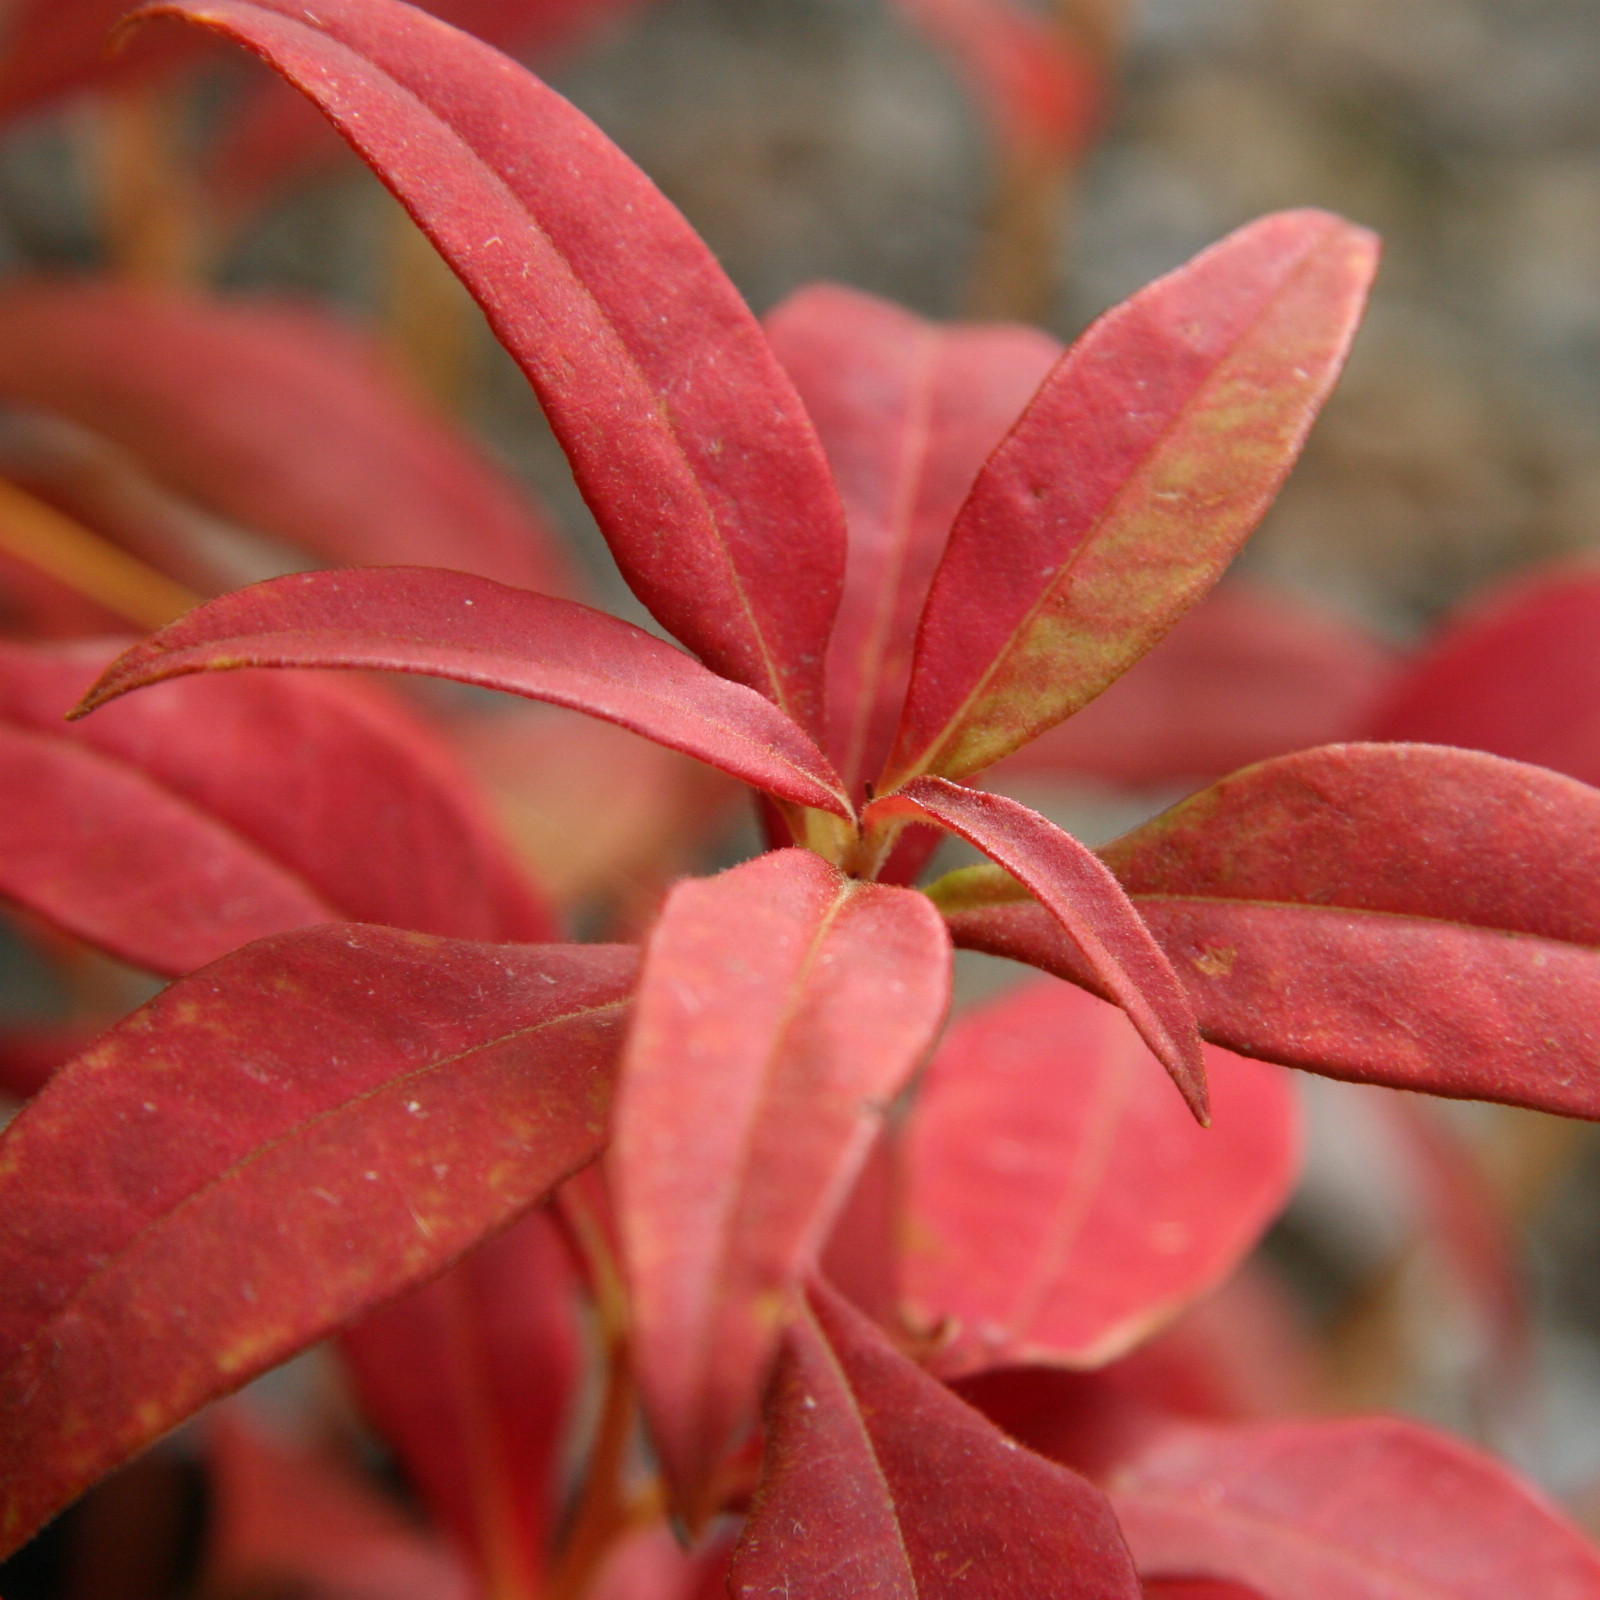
(880, 1482)
(283, 1520)
(472, 1381)
(450, 625)
(782, 1005)
(1408, 915)
(688, 442)
(310, 1126)
(1060, 1204)
(187, 821)
(1250, 673)
(1356, 1509)
(1073, 885)
(907, 412)
(1517, 675)
(276, 418)
(1147, 458)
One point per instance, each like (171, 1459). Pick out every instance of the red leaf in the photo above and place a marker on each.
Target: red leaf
(781, 1007)
(31, 1053)
(655, 376)
(1039, 91)
(472, 1381)
(1517, 675)
(880, 1482)
(450, 625)
(283, 1520)
(652, 1565)
(1349, 911)
(1349, 1510)
(276, 418)
(907, 412)
(313, 1124)
(1077, 890)
(1198, 1589)
(1127, 486)
(1248, 674)
(1060, 1203)
(181, 824)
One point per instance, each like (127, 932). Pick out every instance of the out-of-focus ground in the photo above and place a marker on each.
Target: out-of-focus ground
(821, 138)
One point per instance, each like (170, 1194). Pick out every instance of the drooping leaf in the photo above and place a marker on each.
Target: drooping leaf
(273, 1145)
(472, 1381)
(880, 1482)
(451, 625)
(781, 1006)
(1248, 674)
(687, 441)
(1077, 890)
(285, 1520)
(278, 419)
(1349, 910)
(907, 411)
(1060, 1204)
(1355, 1509)
(1128, 485)
(184, 822)
(1516, 675)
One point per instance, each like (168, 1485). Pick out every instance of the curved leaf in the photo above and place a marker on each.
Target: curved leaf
(1060, 1204)
(1075, 887)
(1128, 485)
(1248, 674)
(907, 411)
(1517, 675)
(450, 625)
(184, 823)
(1356, 1509)
(880, 1482)
(1408, 915)
(499, 1341)
(781, 1007)
(268, 1148)
(688, 442)
(276, 418)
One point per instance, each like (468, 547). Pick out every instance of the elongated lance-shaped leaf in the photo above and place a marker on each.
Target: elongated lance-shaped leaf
(499, 1342)
(401, 838)
(907, 412)
(781, 1006)
(688, 442)
(880, 1482)
(1075, 887)
(273, 1145)
(1516, 675)
(1060, 1204)
(277, 419)
(1129, 484)
(1349, 910)
(1356, 1509)
(450, 625)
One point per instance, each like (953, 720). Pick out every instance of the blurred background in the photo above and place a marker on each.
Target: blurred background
(1447, 1265)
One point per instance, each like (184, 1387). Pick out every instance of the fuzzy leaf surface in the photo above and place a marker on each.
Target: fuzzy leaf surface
(1128, 485)
(1355, 1509)
(1517, 675)
(688, 442)
(880, 1482)
(274, 1144)
(1075, 887)
(1350, 911)
(499, 1339)
(781, 1007)
(907, 411)
(452, 625)
(276, 418)
(1060, 1203)
(179, 824)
